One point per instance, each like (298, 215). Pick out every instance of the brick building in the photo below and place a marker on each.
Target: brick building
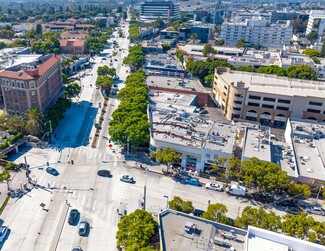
(36, 84)
(73, 46)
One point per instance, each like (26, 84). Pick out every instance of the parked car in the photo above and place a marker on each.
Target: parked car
(193, 182)
(3, 233)
(77, 248)
(104, 173)
(215, 187)
(293, 210)
(287, 203)
(52, 171)
(83, 228)
(127, 179)
(73, 216)
(115, 59)
(317, 210)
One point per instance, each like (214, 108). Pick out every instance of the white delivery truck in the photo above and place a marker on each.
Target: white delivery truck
(236, 190)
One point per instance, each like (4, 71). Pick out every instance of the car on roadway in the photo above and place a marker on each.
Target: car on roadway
(193, 182)
(52, 171)
(83, 228)
(127, 179)
(103, 58)
(293, 210)
(215, 187)
(77, 248)
(73, 216)
(317, 210)
(115, 59)
(3, 233)
(104, 173)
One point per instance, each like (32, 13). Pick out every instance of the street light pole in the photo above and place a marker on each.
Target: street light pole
(51, 130)
(167, 197)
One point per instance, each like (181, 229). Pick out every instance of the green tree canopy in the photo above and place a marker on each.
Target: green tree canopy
(240, 43)
(135, 57)
(299, 189)
(34, 124)
(105, 70)
(258, 217)
(105, 82)
(158, 23)
(167, 156)
(193, 37)
(136, 231)
(72, 90)
(216, 212)
(301, 72)
(266, 175)
(180, 55)
(208, 49)
(311, 53)
(178, 204)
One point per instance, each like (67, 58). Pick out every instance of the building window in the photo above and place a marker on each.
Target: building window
(32, 85)
(254, 97)
(239, 95)
(237, 109)
(253, 104)
(315, 103)
(284, 101)
(238, 102)
(313, 110)
(268, 106)
(282, 108)
(33, 93)
(269, 99)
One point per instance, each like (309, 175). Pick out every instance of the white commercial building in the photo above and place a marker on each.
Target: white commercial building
(316, 22)
(176, 123)
(257, 31)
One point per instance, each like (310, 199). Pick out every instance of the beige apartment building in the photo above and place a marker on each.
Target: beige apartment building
(268, 99)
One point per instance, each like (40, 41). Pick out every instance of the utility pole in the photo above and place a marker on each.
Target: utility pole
(51, 130)
(144, 197)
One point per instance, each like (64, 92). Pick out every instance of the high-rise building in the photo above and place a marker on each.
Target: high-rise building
(153, 9)
(36, 84)
(257, 31)
(316, 22)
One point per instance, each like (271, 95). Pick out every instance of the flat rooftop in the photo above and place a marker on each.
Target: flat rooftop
(175, 83)
(276, 85)
(174, 119)
(257, 145)
(200, 237)
(263, 240)
(222, 50)
(162, 61)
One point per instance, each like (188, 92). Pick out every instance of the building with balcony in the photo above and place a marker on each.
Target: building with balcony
(268, 99)
(164, 9)
(257, 31)
(34, 84)
(316, 22)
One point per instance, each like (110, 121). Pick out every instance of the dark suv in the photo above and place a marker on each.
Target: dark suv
(73, 216)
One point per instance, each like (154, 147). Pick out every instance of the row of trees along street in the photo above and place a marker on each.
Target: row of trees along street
(105, 78)
(135, 58)
(300, 226)
(129, 121)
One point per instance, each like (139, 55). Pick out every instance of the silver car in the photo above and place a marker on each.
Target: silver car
(215, 187)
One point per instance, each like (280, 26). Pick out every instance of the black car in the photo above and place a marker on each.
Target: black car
(73, 216)
(293, 210)
(287, 203)
(104, 173)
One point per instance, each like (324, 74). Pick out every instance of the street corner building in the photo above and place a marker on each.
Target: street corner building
(34, 84)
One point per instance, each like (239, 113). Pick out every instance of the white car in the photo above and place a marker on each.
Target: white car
(3, 233)
(215, 187)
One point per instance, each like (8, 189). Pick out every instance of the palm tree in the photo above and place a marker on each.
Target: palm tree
(193, 37)
(34, 124)
(5, 176)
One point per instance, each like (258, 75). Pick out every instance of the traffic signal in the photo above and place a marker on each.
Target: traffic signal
(47, 163)
(72, 162)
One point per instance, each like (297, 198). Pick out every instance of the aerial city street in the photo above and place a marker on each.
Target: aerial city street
(162, 125)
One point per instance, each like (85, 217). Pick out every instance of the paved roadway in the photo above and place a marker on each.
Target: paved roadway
(78, 186)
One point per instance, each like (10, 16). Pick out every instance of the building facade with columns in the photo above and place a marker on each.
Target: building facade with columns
(268, 99)
(36, 84)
